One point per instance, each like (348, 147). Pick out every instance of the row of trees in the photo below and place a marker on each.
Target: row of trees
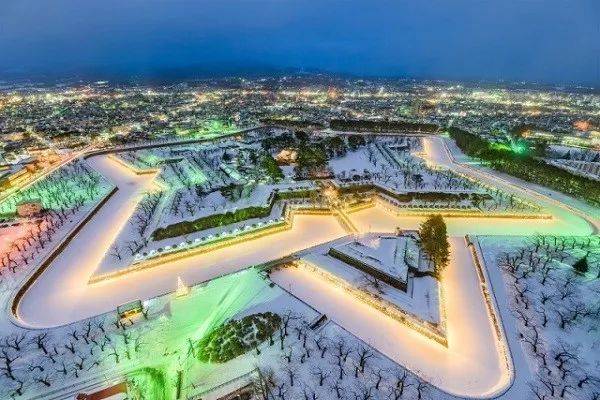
(25, 248)
(37, 362)
(526, 167)
(381, 126)
(66, 192)
(292, 124)
(330, 365)
(69, 186)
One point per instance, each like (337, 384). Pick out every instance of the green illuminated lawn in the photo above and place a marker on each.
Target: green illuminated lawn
(210, 129)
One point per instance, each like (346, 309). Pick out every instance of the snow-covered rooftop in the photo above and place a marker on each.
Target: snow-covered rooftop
(384, 253)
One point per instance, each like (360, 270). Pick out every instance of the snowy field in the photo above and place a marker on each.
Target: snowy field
(397, 167)
(555, 309)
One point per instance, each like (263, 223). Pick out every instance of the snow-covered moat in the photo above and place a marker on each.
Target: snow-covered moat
(63, 336)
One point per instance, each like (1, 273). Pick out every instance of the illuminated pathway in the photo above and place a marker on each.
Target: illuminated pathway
(573, 221)
(470, 366)
(62, 294)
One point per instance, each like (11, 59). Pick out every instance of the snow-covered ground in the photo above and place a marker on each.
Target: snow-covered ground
(550, 311)
(471, 365)
(195, 181)
(380, 219)
(64, 286)
(385, 253)
(420, 298)
(397, 167)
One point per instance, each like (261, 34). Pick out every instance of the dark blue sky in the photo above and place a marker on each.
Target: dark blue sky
(534, 40)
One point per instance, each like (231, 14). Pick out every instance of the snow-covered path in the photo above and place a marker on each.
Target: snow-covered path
(63, 295)
(568, 219)
(523, 373)
(470, 366)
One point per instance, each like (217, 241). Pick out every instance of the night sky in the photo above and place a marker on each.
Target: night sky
(550, 41)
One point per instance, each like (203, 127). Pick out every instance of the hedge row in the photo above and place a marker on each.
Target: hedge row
(210, 221)
(296, 194)
(382, 126)
(423, 196)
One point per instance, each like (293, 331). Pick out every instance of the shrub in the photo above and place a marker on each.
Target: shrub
(147, 383)
(271, 167)
(237, 337)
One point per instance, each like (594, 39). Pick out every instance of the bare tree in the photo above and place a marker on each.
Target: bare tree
(115, 251)
(321, 343)
(422, 389)
(342, 351)
(338, 389)
(364, 353)
(41, 340)
(371, 281)
(291, 373)
(320, 374)
(7, 363)
(263, 383)
(537, 392)
(15, 341)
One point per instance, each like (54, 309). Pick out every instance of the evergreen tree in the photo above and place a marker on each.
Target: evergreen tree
(434, 241)
(581, 266)
(356, 141)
